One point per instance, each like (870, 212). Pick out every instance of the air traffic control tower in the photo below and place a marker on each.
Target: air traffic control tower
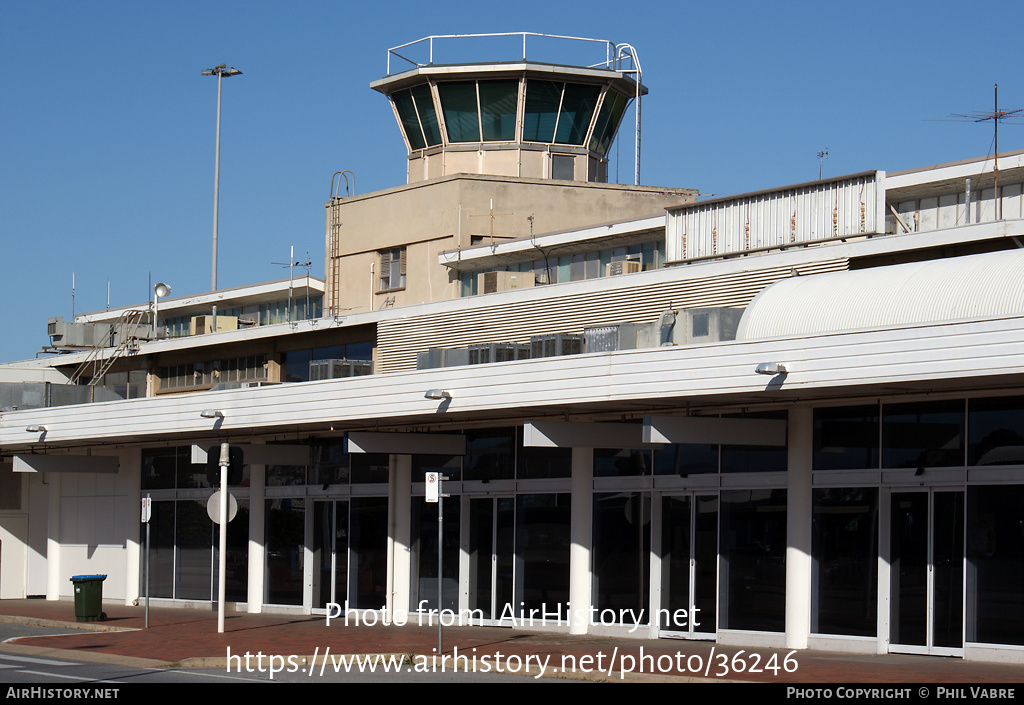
(499, 151)
(519, 118)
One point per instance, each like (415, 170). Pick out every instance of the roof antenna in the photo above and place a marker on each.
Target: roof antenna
(822, 156)
(995, 116)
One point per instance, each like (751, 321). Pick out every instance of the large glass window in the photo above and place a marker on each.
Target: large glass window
(368, 558)
(844, 545)
(621, 555)
(535, 463)
(923, 434)
(995, 564)
(686, 459)
(620, 462)
(689, 536)
(423, 593)
(996, 431)
(543, 539)
(194, 539)
(753, 560)
(846, 438)
(296, 363)
(161, 550)
(284, 540)
(172, 468)
(183, 551)
(490, 454)
(755, 458)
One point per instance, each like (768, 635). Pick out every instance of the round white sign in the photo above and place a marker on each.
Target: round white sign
(213, 507)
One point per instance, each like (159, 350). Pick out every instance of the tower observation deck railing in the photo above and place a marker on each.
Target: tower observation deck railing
(617, 57)
(544, 48)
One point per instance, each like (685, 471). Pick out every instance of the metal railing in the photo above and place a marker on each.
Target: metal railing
(617, 57)
(614, 58)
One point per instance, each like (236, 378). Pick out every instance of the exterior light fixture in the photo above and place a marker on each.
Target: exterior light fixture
(36, 428)
(160, 291)
(212, 414)
(438, 394)
(771, 368)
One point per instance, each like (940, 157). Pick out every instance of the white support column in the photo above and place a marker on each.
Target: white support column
(131, 463)
(884, 569)
(53, 576)
(399, 532)
(657, 577)
(257, 537)
(798, 527)
(582, 536)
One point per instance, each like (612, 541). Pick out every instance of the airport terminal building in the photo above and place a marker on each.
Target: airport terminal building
(793, 417)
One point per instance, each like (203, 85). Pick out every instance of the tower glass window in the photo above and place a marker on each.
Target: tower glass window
(428, 116)
(542, 101)
(612, 108)
(574, 117)
(459, 106)
(407, 116)
(498, 100)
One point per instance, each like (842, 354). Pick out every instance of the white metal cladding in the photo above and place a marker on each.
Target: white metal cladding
(399, 340)
(846, 207)
(956, 288)
(940, 356)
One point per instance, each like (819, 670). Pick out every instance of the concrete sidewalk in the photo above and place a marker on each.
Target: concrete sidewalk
(188, 637)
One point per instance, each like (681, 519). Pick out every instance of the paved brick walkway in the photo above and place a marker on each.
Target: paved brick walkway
(189, 637)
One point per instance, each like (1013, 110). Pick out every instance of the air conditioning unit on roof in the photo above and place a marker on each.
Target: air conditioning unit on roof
(626, 266)
(491, 282)
(200, 325)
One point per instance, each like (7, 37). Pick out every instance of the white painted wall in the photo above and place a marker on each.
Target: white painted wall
(98, 518)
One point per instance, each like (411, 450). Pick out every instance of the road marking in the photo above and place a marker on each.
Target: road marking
(70, 678)
(37, 661)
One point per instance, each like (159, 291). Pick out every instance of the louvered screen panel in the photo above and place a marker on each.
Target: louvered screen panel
(399, 340)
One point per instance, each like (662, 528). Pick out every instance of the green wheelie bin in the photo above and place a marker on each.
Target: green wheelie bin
(89, 598)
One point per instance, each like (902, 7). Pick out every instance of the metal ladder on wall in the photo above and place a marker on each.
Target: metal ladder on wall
(333, 267)
(125, 329)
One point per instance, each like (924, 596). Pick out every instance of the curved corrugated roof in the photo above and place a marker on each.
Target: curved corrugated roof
(973, 286)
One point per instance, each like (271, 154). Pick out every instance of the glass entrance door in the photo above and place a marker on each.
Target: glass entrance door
(330, 553)
(689, 565)
(492, 558)
(926, 552)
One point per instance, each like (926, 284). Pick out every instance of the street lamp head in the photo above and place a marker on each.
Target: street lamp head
(221, 70)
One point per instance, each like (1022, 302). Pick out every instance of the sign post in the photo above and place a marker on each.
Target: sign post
(222, 562)
(434, 494)
(147, 513)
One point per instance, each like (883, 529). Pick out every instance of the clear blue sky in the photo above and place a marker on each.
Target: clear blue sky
(107, 127)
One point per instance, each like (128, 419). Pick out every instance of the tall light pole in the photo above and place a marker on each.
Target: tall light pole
(220, 71)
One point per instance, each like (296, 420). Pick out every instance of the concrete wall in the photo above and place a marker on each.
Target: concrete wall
(444, 214)
(99, 516)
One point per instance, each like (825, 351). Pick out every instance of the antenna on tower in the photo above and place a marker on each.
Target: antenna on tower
(822, 156)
